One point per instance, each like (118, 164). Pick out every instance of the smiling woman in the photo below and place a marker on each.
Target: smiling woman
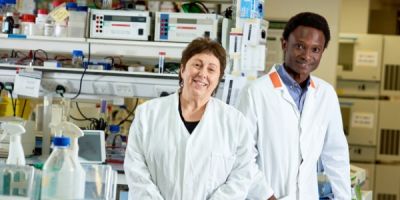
(202, 67)
(190, 145)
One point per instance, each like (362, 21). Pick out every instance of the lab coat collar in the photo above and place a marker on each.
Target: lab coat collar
(277, 81)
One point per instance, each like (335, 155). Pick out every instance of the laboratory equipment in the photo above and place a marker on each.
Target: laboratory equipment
(391, 67)
(389, 131)
(63, 177)
(360, 123)
(92, 148)
(387, 182)
(120, 24)
(184, 27)
(360, 57)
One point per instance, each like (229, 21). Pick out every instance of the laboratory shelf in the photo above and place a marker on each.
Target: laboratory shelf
(107, 84)
(48, 44)
(142, 49)
(96, 47)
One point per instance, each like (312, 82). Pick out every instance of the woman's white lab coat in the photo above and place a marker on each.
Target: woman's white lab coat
(164, 161)
(290, 142)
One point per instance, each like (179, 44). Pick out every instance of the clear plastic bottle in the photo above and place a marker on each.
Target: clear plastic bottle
(114, 140)
(63, 177)
(77, 59)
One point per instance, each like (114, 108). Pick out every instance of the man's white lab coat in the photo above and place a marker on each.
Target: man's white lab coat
(164, 161)
(290, 142)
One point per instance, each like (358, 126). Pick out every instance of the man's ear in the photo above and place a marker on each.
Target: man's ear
(283, 44)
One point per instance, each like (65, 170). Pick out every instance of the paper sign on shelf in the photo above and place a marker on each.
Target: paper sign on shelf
(28, 83)
(362, 120)
(60, 13)
(366, 58)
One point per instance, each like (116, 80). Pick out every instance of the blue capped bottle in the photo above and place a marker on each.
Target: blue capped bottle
(63, 177)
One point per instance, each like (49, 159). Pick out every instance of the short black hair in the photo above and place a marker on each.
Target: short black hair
(308, 19)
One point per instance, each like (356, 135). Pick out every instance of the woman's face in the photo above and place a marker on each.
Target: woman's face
(200, 75)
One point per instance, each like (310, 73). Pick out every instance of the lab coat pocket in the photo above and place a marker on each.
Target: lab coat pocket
(220, 168)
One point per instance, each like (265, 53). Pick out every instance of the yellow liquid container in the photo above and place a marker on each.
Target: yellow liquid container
(6, 108)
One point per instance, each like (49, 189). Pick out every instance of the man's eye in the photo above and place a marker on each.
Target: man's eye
(299, 46)
(316, 50)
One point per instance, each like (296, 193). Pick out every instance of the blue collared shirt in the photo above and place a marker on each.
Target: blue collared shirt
(298, 94)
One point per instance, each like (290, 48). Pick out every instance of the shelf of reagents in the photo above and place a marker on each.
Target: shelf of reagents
(48, 44)
(139, 49)
(96, 83)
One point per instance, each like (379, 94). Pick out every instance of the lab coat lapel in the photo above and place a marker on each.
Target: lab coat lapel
(281, 88)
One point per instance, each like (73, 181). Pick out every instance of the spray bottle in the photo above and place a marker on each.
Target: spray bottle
(72, 131)
(16, 152)
(63, 175)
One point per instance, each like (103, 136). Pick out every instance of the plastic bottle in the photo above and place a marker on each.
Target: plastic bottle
(48, 29)
(63, 178)
(27, 24)
(8, 23)
(114, 140)
(41, 20)
(77, 59)
(11, 7)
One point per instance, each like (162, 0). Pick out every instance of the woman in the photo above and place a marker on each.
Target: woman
(189, 145)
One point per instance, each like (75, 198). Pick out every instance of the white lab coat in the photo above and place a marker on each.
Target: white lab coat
(163, 161)
(290, 143)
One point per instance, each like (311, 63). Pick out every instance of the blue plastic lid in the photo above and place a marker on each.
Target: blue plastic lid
(71, 6)
(82, 8)
(114, 128)
(10, 1)
(77, 53)
(61, 141)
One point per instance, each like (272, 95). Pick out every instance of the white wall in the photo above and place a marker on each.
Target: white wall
(330, 9)
(354, 16)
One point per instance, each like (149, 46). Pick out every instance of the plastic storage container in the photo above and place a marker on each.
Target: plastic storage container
(101, 182)
(63, 176)
(19, 182)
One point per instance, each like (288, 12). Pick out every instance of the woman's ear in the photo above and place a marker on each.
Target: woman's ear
(181, 68)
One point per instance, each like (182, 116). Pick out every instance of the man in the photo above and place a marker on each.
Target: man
(296, 117)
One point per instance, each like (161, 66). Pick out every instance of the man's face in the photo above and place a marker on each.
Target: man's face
(303, 51)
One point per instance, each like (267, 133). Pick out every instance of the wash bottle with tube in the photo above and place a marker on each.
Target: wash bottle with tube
(16, 154)
(63, 176)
